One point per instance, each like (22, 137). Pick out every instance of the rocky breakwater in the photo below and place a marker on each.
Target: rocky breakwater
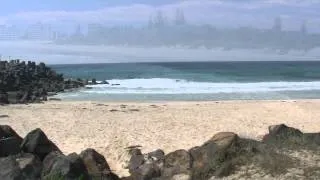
(25, 82)
(227, 154)
(36, 157)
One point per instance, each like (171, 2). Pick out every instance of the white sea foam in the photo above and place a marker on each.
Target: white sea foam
(172, 86)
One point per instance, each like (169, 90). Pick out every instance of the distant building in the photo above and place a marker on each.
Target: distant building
(78, 31)
(180, 18)
(8, 33)
(95, 29)
(59, 35)
(34, 32)
(160, 20)
(39, 31)
(303, 28)
(277, 26)
(150, 22)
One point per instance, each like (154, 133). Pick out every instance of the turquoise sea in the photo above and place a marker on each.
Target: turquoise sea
(196, 81)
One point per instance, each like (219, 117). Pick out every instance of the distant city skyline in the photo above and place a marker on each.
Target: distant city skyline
(220, 13)
(47, 31)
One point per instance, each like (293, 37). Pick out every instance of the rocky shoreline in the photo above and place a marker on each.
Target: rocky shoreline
(36, 157)
(28, 82)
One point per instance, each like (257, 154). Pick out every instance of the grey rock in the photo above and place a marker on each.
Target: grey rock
(211, 156)
(20, 167)
(10, 146)
(156, 155)
(6, 132)
(69, 167)
(177, 162)
(95, 163)
(146, 172)
(36, 142)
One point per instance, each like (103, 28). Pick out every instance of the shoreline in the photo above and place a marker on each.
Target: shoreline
(61, 100)
(110, 127)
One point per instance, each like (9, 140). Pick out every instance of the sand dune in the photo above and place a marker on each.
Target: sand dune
(110, 127)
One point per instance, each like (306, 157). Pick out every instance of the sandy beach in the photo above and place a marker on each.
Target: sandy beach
(110, 127)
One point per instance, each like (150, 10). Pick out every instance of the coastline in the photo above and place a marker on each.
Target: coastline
(110, 127)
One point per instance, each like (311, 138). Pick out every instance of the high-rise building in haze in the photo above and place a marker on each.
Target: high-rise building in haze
(277, 26)
(8, 33)
(303, 28)
(180, 18)
(39, 31)
(94, 30)
(78, 31)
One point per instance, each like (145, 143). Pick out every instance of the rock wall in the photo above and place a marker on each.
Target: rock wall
(23, 82)
(36, 157)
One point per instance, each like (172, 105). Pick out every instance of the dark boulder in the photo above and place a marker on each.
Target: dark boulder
(14, 97)
(157, 155)
(30, 166)
(174, 177)
(283, 135)
(95, 163)
(4, 98)
(110, 176)
(93, 81)
(20, 167)
(57, 165)
(36, 142)
(213, 155)
(284, 131)
(6, 132)
(146, 172)
(135, 162)
(177, 162)
(9, 169)
(145, 166)
(10, 146)
(54, 99)
(25, 98)
(9, 141)
(77, 166)
(104, 82)
(136, 159)
(49, 94)
(312, 138)
(127, 178)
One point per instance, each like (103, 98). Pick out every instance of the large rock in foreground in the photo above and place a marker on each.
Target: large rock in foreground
(97, 165)
(7, 131)
(36, 142)
(20, 167)
(36, 157)
(9, 141)
(210, 158)
(9, 146)
(177, 162)
(145, 166)
(59, 166)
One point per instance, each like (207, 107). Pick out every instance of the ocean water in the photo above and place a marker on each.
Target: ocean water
(196, 81)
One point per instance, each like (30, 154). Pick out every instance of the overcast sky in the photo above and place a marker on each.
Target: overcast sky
(257, 13)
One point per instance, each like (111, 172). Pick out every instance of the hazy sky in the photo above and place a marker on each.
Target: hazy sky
(258, 13)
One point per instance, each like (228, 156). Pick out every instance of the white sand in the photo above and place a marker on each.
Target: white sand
(74, 126)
